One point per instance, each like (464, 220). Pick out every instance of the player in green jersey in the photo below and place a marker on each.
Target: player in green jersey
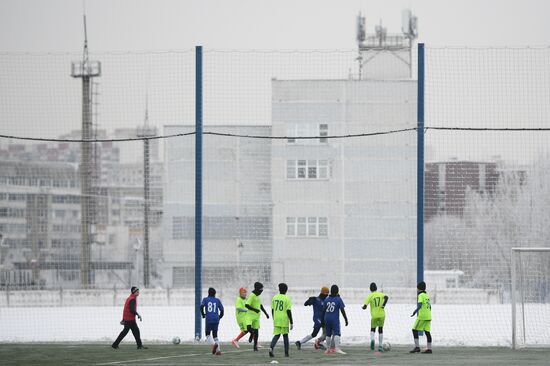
(240, 314)
(377, 301)
(254, 305)
(281, 306)
(424, 318)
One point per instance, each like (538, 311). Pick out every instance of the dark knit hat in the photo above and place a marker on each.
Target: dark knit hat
(134, 289)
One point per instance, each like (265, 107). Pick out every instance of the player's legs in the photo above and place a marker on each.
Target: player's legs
(336, 338)
(372, 332)
(427, 330)
(215, 335)
(321, 339)
(286, 343)
(316, 328)
(256, 329)
(242, 327)
(416, 341)
(135, 331)
(121, 335)
(274, 340)
(380, 339)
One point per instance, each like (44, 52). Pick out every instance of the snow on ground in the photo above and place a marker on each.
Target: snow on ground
(452, 325)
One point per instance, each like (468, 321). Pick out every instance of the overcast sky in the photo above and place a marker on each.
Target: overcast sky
(121, 25)
(44, 84)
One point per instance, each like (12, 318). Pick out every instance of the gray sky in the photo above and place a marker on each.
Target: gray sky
(44, 84)
(122, 25)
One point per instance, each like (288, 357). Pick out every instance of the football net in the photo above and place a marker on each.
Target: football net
(309, 178)
(530, 269)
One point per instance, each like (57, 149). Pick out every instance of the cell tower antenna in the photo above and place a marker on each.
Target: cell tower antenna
(382, 44)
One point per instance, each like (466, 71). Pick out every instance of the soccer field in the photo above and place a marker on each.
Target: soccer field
(163, 354)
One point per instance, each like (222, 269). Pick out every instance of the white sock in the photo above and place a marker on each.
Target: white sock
(372, 336)
(380, 339)
(416, 344)
(210, 340)
(429, 346)
(337, 342)
(216, 341)
(306, 338)
(332, 345)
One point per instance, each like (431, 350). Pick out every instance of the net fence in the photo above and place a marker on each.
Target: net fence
(309, 178)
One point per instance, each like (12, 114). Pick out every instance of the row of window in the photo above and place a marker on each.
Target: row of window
(307, 169)
(36, 182)
(307, 226)
(251, 228)
(307, 130)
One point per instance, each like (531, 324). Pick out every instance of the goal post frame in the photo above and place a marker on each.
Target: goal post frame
(513, 274)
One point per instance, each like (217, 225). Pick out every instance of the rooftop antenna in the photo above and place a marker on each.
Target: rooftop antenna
(399, 45)
(360, 37)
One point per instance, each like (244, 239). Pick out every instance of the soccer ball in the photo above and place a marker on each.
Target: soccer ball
(386, 346)
(176, 340)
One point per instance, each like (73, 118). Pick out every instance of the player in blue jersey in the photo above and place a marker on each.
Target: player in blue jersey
(212, 312)
(317, 303)
(334, 305)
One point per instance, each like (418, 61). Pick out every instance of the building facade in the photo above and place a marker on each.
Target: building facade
(237, 207)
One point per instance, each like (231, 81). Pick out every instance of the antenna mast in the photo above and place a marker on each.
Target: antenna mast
(86, 70)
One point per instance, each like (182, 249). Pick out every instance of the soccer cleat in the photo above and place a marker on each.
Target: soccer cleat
(114, 347)
(251, 338)
(329, 351)
(427, 351)
(317, 344)
(287, 355)
(340, 351)
(380, 349)
(235, 343)
(298, 345)
(142, 347)
(415, 350)
(372, 345)
(218, 353)
(255, 349)
(271, 353)
(214, 348)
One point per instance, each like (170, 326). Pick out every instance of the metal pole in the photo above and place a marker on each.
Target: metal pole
(198, 189)
(522, 295)
(420, 168)
(85, 183)
(146, 174)
(513, 299)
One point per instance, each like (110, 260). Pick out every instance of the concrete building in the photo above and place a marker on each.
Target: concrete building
(237, 207)
(344, 210)
(446, 183)
(40, 213)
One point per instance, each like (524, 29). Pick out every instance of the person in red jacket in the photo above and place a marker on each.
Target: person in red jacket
(129, 320)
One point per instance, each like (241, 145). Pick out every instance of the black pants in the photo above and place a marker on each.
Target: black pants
(129, 325)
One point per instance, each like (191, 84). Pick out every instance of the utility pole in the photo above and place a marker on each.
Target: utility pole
(146, 133)
(86, 70)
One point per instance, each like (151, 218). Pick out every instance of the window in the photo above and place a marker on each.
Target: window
(323, 133)
(290, 226)
(307, 169)
(301, 230)
(302, 129)
(291, 169)
(307, 227)
(312, 169)
(301, 174)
